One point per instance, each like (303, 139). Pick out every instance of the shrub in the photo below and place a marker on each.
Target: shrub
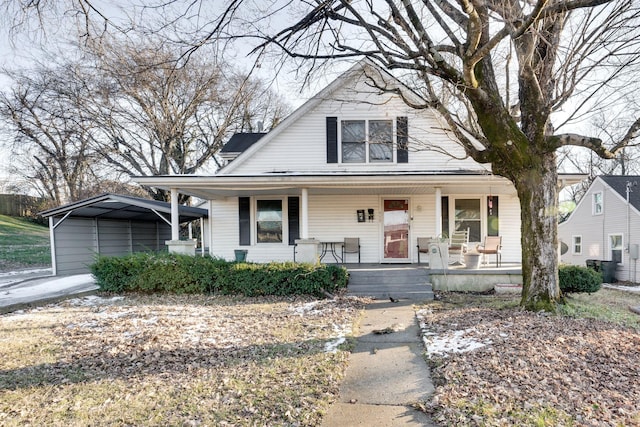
(575, 278)
(150, 272)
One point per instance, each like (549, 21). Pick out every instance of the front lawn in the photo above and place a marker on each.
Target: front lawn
(174, 360)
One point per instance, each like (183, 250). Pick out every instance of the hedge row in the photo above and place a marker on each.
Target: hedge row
(574, 278)
(183, 274)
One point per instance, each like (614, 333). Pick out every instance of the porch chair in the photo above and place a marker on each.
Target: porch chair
(351, 245)
(458, 245)
(492, 245)
(423, 246)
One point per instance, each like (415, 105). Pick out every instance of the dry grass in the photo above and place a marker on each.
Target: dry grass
(173, 361)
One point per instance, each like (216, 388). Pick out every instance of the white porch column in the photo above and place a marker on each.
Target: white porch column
(186, 247)
(304, 214)
(175, 215)
(306, 248)
(438, 212)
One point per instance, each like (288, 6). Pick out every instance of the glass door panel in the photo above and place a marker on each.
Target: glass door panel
(396, 229)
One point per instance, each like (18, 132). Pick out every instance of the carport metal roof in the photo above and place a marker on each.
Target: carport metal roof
(114, 206)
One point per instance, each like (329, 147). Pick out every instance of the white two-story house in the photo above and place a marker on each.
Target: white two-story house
(353, 161)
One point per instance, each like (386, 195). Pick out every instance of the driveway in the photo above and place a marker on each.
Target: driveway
(25, 288)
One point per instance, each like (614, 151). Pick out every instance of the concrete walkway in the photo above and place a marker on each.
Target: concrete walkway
(386, 373)
(18, 294)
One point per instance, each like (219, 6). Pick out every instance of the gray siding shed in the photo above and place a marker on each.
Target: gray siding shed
(109, 225)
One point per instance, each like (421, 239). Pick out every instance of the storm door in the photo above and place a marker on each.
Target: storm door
(396, 230)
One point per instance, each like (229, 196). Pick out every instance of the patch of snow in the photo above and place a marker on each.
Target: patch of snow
(341, 332)
(308, 308)
(449, 342)
(46, 287)
(92, 300)
(25, 272)
(332, 346)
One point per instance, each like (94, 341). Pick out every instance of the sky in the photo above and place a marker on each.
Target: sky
(18, 50)
(287, 83)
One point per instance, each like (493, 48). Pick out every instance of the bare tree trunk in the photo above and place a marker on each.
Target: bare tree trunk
(537, 190)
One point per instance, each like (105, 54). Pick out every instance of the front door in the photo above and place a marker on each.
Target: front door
(396, 230)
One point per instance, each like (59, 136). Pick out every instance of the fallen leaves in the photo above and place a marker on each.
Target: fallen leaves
(531, 369)
(175, 360)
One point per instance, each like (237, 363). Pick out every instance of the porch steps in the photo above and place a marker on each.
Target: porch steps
(385, 281)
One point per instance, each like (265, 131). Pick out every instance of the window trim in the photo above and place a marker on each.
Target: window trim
(610, 248)
(481, 219)
(597, 208)
(285, 220)
(575, 244)
(368, 143)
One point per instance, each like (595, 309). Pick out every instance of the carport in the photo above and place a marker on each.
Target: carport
(111, 224)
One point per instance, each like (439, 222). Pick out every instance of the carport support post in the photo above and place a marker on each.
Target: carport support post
(52, 239)
(175, 215)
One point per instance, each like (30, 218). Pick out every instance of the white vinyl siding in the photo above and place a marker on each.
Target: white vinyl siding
(576, 245)
(509, 218)
(301, 147)
(334, 217)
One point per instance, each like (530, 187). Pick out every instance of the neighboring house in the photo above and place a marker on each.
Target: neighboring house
(605, 225)
(353, 161)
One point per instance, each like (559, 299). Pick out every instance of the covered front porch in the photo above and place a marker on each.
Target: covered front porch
(308, 216)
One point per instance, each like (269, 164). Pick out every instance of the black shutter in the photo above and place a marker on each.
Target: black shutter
(444, 202)
(492, 216)
(332, 140)
(402, 129)
(293, 212)
(244, 220)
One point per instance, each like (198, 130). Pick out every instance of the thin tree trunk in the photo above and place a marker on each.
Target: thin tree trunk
(537, 189)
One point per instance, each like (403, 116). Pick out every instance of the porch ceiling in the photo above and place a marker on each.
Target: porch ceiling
(217, 187)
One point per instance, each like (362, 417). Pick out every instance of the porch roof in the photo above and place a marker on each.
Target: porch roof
(221, 186)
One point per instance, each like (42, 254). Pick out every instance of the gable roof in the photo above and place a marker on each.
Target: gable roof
(238, 143)
(115, 206)
(360, 67)
(619, 183)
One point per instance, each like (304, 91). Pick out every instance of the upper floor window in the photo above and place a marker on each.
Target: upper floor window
(597, 203)
(367, 141)
(576, 247)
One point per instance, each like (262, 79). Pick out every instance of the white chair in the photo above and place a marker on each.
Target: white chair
(458, 245)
